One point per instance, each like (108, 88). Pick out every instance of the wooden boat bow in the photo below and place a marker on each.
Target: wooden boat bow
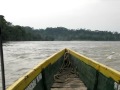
(69, 70)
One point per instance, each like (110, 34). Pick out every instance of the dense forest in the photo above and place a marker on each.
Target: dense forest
(12, 32)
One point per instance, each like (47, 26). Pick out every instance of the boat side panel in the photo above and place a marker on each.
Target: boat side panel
(49, 72)
(92, 78)
(105, 83)
(40, 86)
(29, 79)
(86, 73)
(36, 84)
(106, 71)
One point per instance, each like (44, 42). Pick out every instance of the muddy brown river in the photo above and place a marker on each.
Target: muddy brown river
(20, 57)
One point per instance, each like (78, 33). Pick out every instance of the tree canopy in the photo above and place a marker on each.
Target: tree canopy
(12, 32)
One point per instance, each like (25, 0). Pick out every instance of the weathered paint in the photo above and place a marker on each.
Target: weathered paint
(49, 72)
(24, 81)
(36, 83)
(107, 71)
(116, 86)
(96, 76)
(92, 78)
(105, 83)
(86, 73)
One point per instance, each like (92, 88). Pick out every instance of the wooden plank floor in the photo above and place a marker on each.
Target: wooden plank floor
(68, 81)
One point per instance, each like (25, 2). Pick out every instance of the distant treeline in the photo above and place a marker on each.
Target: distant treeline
(12, 32)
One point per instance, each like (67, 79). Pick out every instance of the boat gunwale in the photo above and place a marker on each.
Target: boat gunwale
(26, 79)
(105, 70)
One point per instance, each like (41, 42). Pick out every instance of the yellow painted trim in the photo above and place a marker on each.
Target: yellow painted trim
(24, 81)
(53, 58)
(105, 70)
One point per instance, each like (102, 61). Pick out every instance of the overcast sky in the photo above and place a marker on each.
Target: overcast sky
(72, 14)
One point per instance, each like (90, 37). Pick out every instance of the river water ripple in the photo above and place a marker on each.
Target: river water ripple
(20, 57)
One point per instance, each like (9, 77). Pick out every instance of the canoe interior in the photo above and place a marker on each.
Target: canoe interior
(94, 76)
(67, 78)
(49, 72)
